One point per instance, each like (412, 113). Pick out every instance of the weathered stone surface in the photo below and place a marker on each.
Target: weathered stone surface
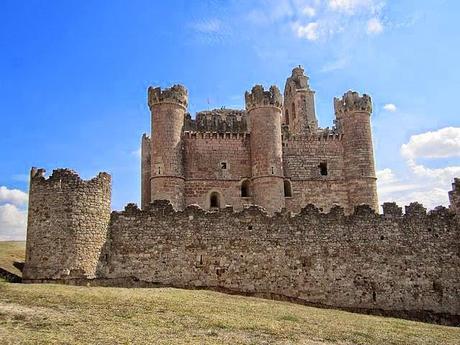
(267, 148)
(68, 220)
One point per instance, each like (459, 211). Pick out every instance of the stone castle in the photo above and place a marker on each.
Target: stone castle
(273, 154)
(259, 202)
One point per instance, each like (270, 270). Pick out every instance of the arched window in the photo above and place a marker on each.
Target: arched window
(214, 200)
(293, 110)
(245, 192)
(286, 121)
(287, 189)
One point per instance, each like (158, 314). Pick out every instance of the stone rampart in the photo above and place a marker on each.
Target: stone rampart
(403, 264)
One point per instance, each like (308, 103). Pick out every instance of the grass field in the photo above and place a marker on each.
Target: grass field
(11, 252)
(58, 314)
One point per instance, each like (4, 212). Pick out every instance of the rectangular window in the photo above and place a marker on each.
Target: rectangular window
(323, 168)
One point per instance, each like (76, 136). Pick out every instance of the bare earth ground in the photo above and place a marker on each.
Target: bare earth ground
(58, 314)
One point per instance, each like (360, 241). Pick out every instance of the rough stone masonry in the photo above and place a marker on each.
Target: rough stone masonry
(259, 202)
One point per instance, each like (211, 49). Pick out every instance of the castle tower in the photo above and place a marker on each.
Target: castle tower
(68, 220)
(168, 108)
(299, 104)
(264, 109)
(352, 113)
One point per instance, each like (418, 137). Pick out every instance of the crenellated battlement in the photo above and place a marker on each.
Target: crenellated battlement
(176, 94)
(217, 120)
(258, 97)
(351, 101)
(216, 135)
(63, 175)
(390, 210)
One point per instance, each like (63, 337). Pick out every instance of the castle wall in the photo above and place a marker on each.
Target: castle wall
(68, 221)
(204, 155)
(302, 158)
(407, 263)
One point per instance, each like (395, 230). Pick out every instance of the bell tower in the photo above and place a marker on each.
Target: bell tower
(299, 104)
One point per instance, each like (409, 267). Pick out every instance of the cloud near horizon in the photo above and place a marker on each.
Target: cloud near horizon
(13, 214)
(429, 186)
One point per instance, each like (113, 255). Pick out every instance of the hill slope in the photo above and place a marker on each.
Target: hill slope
(58, 314)
(11, 252)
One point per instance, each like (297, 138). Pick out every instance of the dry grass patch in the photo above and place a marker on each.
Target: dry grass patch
(56, 314)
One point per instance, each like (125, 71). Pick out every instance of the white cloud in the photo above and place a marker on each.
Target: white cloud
(13, 196)
(309, 11)
(385, 175)
(13, 223)
(374, 26)
(350, 6)
(426, 185)
(442, 143)
(309, 31)
(390, 107)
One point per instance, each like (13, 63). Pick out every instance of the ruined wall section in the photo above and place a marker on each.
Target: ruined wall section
(146, 170)
(216, 162)
(323, 187)
(454, 197)
(67, 224)
(364, 261)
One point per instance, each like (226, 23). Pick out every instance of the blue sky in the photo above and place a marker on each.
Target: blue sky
(74, 75)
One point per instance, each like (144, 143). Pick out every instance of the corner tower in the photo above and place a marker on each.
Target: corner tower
(264, 109)
(352, 113)
(168, 109)
(299, 104)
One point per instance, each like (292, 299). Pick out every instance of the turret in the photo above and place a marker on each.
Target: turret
(264, 109)
(299, 104)
(353, 120)
(67, 227)
(168, 109)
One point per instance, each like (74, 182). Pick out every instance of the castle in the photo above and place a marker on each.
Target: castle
(259, 202)
(273, 154)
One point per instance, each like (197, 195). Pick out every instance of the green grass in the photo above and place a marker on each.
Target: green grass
(58, 314)
(10, 252)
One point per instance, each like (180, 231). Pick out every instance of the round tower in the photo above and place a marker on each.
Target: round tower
(67, 225)
(264, 110)
(353, 120)
(168, 109)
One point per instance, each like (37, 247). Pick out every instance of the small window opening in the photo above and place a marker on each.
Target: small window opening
(201, 259)
(245, 189)
(214, 200)
(223, 165)
(287, 117)
(374, 296)
(293, 110)
(273, 171)
(287, 189)
(323, 168)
